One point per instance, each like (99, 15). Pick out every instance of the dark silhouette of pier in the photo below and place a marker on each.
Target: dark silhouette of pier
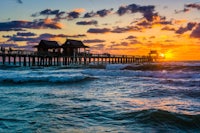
(72, 52)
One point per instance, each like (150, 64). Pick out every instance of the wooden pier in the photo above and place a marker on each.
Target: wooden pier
(72, 52)
(31, 58)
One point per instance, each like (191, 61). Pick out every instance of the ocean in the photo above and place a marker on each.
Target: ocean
(164, 97)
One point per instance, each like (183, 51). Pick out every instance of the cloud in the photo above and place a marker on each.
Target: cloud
(98, 46)
(18, 38)
(134, 41)
(48, 36)
(73, 15)
(167, 28)
(49, 12)
(196, 32)
(189, 27)
(30, 38)
(194, 5)
(80, 10)
(7, 45)
(89, 14)
(188, 7)
(115, 30)
(182, 11)
(123, 44)
(98, 30)
(92, 22)
(94, 41)
(125, 29)
(20, 25)
(131, 37)
(147, 11)
(25, 34)
(104, 12)
(100, 13)
(144, 24)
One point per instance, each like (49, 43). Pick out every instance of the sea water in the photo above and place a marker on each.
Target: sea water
(53, 99)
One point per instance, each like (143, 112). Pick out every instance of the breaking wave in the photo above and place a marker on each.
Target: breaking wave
(41, 76)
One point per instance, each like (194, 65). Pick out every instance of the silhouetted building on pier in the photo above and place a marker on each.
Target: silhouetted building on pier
(47, 47)
(153, 54)
(73, 47)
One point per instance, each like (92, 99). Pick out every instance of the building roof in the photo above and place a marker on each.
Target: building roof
(47, 44)
(74, 44)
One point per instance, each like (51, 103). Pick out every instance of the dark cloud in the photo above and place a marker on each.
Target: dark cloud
(98, 46)
(17, 38)
(182, 11)
(89, 14)
(147, 11)
(194, 5)
(144, 24)
(98, 30)
(196, 32)
(100, 13)
(7, 45)
(125, 29)
(115, 30)
(32, 40)
(119, 44)
(94, 41)
(92, 22)
(134, 41)
(25, 34)
(48, 12)
(189, 27)
(73, 15)
(36, 24)
(48, 36)
(104, 12)
(16, 46)
(165, 22)
(167, 28)
(124, 44)
(131, 37)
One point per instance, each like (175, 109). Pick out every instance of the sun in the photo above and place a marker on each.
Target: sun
(162, 55)
(168, 55)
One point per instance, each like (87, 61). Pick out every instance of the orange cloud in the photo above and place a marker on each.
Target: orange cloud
(79, 10)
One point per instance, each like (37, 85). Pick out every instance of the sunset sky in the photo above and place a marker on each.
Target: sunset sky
(125, 27)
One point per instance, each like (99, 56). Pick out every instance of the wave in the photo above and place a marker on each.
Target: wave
(158, 66)
(161, 119)
(17, 77)
(152, 74)
(51, 79)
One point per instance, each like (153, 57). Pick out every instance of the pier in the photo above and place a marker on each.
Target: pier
(49, 53)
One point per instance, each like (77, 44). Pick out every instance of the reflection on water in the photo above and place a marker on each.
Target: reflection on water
(99, 101)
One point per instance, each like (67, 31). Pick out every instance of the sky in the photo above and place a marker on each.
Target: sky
(120, 27)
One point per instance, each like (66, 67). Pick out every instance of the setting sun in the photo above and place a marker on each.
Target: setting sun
(168, 55)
